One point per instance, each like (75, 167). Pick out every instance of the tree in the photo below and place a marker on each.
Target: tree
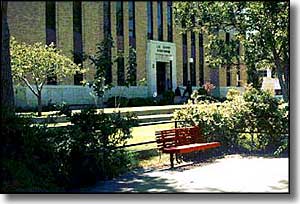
(102, 62)
(31, 64)
(131, 67)
(6, 83)
(262, 27)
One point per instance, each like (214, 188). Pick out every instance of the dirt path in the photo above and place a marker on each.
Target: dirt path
(233, 173)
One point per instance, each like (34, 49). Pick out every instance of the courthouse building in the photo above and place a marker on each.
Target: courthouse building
(165, 57)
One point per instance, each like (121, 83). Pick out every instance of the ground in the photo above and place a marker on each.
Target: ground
(232, 173)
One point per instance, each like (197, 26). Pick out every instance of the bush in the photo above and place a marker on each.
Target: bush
(28, 160)
(167, 98)
(136, 102)
(255, 111)
(89, 148)
(117, 102)
(38, 158)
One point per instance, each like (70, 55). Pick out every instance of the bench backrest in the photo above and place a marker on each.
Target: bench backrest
(178, 136)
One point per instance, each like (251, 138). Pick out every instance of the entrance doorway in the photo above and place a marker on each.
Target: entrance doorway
(161, 77)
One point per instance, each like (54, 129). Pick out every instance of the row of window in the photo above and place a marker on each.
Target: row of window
(78, 46)
(160, 22)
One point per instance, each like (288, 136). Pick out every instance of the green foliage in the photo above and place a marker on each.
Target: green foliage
(135, 102)
(260, 27)
(254, 111)
(28, 158)
(102, 63)
(118, 101)
(167, 98)
(37, 158)
(33, 64)
(131, 67)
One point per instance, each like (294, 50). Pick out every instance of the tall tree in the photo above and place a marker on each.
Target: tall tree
(262, 27)
(6, 83)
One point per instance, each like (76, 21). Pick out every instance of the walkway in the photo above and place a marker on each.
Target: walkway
(233, 173)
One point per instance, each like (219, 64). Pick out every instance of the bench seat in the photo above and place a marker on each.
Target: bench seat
(182, 140)
(191, 147)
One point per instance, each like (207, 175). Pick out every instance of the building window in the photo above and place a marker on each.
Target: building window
(107, 34)
(160, 20)
(228, 75)
(131, 14)
(149, 20)
(132, 41)
(77, 38)
(50, 22)
(193, 56)
(120, 43)
(184, 59)
(238, 68)
(201, 60)
(50, 33)
(170, 21)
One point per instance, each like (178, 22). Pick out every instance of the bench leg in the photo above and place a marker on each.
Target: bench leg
(172, 160)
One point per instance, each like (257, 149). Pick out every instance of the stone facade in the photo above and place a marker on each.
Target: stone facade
(27, 23)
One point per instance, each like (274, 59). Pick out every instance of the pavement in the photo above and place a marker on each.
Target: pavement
(233, 174)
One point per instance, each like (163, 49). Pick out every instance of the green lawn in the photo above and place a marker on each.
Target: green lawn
(147, 154)
(146, 133)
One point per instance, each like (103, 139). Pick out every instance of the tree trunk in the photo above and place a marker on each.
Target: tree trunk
(39, 103)
(6, 83)
(283, 82)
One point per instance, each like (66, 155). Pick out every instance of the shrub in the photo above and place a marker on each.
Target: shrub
(117, 102)
(89, 149)
(167, 98)
(135, 102)
(254, 111)
(39, 158)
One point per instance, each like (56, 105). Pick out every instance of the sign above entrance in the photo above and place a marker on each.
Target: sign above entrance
(161, 66)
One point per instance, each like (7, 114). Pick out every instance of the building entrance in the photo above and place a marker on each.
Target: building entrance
(161, 67)
(161, 77)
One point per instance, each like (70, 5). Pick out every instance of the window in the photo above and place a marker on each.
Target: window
(193, 55)
(131, 26)
(107, 34)
(169, 21)
(238, 69)
(132, 42)
(160, 20)
(77, 39)
(51, 32)
(184, 59)
(120, 43)
(150, 20)
(50, 22)
(228, 77)
(201, 60)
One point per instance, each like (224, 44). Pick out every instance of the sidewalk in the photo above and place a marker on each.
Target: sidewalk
(234, 174)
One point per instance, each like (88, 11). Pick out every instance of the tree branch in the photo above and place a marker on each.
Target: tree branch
(29, 86)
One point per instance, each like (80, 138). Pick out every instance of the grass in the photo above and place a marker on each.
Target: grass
(145, 134)
(148, 155)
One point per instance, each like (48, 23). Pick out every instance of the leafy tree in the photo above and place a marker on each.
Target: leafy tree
(102, 63)
(31, 64)
(262, 27)
(131, 67)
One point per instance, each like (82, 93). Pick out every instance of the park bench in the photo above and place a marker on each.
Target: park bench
(182, 140)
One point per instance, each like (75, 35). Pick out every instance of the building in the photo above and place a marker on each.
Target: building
(166, 58)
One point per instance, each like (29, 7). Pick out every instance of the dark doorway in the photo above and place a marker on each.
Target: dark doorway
(160, 77)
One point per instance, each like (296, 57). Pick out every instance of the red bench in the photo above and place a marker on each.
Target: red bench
(182, 140)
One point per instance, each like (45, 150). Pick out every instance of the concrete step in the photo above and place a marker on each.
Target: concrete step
(154, 118)
(145, 114)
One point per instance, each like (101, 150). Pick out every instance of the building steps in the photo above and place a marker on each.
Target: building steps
(146, 115)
